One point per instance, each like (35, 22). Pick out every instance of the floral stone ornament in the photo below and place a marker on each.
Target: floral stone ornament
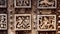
(46, 22)
(22, 22)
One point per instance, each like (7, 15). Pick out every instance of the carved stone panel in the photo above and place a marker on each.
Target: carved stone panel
(22, 22)
(3, 3)
(22, 3)
(3, 22)
(47, 4)
(46, 22)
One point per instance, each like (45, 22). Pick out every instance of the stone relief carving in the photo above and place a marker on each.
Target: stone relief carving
(3, 3)
(43, 4)
(22, 3)
(22, 22)
(46, 22)
(3, 21)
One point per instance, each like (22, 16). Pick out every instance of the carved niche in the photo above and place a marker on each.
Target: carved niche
(3, 22)
(46, 22)
(22, 3)
(22, 22)
(3, 3)
(47, 4)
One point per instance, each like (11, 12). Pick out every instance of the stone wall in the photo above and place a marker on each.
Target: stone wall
(31, 14)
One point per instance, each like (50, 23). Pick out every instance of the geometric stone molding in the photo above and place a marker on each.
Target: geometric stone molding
(46, 22)
(46, 4)
(22, 3)
(3, 3)
(22, 21)
(3, 21)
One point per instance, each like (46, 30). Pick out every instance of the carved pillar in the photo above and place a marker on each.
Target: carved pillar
(11, 17)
